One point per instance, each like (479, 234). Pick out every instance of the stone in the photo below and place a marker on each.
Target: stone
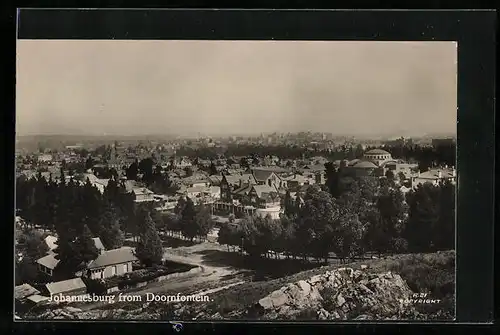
(73, 309)
(364, 267)
(304, 286)
(266, 303)
(340, 300)
(278, 298)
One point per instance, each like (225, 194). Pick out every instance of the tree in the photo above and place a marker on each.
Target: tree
(445, 230)
(84, 246)
(145, 167)
(249, 235)
(204, 222)
(188, 220)
(316, 220)
(212, 169)
(179, 207)
(289, 205)
(110, 231)
(188, 171)
(332, 179)
(35, 245)
(132, 171)
(423, 217)
(149, 249)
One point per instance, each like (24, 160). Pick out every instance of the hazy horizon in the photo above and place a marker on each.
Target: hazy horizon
(119, 88)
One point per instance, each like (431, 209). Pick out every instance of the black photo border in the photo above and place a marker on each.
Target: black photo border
(474, 30)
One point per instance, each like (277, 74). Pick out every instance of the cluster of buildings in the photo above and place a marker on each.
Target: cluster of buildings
(107, 264)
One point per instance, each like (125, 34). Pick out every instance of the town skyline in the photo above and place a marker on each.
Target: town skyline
(231, 88)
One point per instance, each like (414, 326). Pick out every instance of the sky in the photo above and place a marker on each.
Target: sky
(113, 87)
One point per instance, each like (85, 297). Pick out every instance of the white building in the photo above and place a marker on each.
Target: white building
(434, 176)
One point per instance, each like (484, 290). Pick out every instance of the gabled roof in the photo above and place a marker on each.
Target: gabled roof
(261, 190)
(111, 257)
(244, 189)
(235, 179)
(316, 167)
(48, 261)
(262, 175)
(215, 179)
(65, 286)
(24, 291)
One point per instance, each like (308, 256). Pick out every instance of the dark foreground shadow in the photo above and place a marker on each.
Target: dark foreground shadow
(262, 268)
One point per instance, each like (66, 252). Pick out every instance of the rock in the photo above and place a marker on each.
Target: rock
(304, 286)
(364, 267)
(345, 291)
(278, 298)
(266, 303)
(73, 309)
(340, 300)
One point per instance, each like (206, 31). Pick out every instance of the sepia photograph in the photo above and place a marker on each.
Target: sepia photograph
(235, 180)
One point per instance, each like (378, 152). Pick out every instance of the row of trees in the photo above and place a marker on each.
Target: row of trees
(77, 213)
(364, 217)
(425, 155)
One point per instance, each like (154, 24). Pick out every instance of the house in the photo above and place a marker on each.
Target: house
(111, 263)
(74, 286)
(295, 181)
(26, 296)
(434, 176)
(267, 177)
(142, 194)
(264, 196)
(47, 264)
(22, 292)
(230, 183)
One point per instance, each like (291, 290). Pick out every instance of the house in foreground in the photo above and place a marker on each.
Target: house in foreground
(69, 287)
(110, 263)
(22, 292)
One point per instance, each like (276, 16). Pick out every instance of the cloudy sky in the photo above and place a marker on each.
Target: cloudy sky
(231, 87)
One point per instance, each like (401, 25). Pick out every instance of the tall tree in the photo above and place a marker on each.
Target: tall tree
(84, 246)
(188, 219)
(149, 249)
(212, 169)
(445, 230)
(110, 231)
(332, 179)
(423, 217)
(132, 171)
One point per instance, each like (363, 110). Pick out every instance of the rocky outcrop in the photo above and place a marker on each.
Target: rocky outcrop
(341, 294)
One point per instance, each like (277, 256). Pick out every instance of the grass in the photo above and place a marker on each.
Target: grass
(434, 273)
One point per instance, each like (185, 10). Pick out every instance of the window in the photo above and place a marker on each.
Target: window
(113, 270)
(125, 268)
